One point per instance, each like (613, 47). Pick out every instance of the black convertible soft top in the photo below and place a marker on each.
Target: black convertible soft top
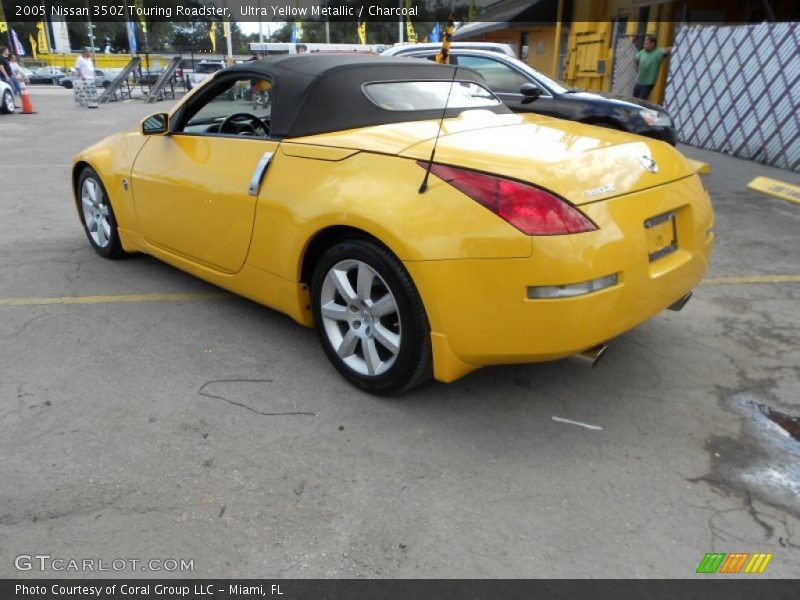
(321, 92)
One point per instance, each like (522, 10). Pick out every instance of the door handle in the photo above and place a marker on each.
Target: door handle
(258, 174)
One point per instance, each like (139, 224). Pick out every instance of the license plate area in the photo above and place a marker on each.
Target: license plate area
(660, 232)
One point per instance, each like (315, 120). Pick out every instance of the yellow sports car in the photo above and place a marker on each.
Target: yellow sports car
(399, 207)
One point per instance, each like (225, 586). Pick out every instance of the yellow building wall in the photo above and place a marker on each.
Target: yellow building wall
(541, 45)
(108, 61)
(541, 49)
(504, 36)
(589, 48)
(588, 61)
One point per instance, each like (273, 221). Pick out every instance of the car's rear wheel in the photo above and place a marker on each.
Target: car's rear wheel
(98, 220)
(7, 106)
(370, 319)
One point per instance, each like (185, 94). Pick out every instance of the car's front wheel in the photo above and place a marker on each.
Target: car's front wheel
(98, 220)
(370, 319)
(7, 106)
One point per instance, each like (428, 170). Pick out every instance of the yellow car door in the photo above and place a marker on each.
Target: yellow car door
(193, 187)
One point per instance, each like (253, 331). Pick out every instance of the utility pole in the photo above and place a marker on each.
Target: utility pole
(260, 28)
(91, 32)
(327, 23)
(227, 27)
(400, 22)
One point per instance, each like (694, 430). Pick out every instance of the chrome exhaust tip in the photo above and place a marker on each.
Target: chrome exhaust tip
(591, 356)
(680, 303)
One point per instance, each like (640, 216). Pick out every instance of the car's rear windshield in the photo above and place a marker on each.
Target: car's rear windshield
(429, 95)
(207, 68)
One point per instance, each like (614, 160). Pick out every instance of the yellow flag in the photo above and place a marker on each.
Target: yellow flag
(142, 23)
(362, 32)
(298, 25)
(226, 28)
(33, 47)
(42, 36)
(444, 53)
(473, 11)
(410, 33)
(3, 26)
(212, 33)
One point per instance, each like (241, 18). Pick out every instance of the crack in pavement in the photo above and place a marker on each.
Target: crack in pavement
(202, 392)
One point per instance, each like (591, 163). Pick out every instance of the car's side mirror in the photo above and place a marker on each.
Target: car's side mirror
(530, 92)
(155, 124)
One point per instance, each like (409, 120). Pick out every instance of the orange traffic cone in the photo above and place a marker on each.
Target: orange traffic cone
(27, 105)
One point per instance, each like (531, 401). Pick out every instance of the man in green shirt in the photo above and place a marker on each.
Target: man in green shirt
(648, 64)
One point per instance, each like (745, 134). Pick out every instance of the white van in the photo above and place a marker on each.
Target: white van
(203, 70)
(273, 48)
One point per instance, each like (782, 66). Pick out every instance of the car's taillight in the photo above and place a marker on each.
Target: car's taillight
(532, 210)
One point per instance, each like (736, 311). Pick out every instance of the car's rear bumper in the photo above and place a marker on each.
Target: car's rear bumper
(480, 311)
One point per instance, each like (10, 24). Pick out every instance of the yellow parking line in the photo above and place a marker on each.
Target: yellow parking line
(200, 296)
(175, 297)
(753, 279)
(699, 166)
(779, 189)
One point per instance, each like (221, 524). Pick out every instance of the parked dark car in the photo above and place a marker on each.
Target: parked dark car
(46, 75)
(524, 89)
(102, 79)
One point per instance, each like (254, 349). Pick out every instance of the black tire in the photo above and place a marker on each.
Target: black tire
(411, 364)
(7, 106)
(99, 221)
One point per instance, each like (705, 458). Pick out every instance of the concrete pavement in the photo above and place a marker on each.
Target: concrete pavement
(148, 429)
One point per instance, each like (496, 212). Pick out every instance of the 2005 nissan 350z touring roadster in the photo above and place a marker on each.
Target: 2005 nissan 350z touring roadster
(310, 184)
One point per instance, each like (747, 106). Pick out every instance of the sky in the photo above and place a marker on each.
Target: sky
(252, 26)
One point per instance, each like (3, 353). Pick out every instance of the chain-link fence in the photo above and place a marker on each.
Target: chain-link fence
(624, 75)
(736, 90)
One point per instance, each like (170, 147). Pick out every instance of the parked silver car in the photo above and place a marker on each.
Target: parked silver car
(411, 49)
(6, 99)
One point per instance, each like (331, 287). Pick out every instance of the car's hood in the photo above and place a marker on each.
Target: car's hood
(621, 99)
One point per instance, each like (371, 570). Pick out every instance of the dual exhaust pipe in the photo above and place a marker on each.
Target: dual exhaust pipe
(592, 356)
(680, 303)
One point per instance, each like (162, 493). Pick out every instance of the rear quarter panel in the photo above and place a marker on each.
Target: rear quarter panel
(379, 195)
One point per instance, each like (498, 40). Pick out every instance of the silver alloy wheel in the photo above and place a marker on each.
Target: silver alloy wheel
(95, 212)
(8, 101)
(362, 323)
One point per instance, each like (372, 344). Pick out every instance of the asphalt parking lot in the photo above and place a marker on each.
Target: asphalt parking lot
(147, 426)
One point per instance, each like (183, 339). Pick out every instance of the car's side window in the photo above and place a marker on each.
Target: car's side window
(501, 78)
(240, 106)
